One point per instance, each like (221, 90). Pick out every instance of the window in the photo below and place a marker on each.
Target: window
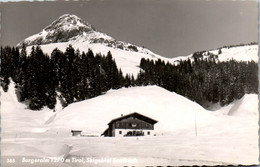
(120, 132)
(148, 133)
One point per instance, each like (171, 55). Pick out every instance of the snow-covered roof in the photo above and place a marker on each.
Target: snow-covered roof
(137, 115)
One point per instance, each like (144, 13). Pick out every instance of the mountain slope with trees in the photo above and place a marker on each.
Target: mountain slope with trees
(70, 76)
(202, 80)
(73, 76)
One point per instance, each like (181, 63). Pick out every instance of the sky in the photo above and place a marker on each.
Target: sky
(169, 28)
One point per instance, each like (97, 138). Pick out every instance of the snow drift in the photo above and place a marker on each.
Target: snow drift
(172, 111)
(246, 106)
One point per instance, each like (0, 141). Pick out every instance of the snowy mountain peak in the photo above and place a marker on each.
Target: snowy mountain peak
(66, 28)
(73, 30)
(69, 22)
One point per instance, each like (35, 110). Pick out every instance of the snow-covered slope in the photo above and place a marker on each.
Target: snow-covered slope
(127, 61)
(244, 107)
(221, 139)
(172, 111)
(238, 53)
(71, 30)
(16, 118)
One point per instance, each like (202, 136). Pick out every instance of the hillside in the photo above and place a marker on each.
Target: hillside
(127, 61)
(238, 53)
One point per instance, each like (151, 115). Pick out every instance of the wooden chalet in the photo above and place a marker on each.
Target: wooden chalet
(133, 124)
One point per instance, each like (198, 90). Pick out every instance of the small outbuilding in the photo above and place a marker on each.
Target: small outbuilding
(76, 132)
(133, 124)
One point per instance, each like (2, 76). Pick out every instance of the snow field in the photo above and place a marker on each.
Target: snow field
(221, 138)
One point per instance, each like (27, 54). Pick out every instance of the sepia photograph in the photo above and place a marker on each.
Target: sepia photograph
(129, 83)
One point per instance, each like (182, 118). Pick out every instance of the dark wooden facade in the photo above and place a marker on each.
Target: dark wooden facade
(134, 123)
